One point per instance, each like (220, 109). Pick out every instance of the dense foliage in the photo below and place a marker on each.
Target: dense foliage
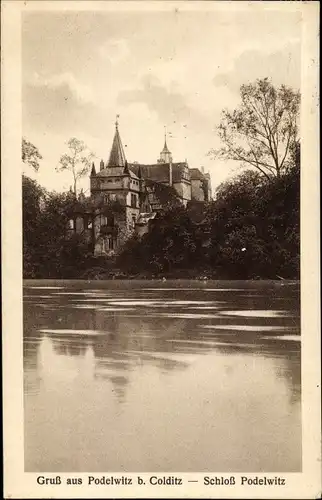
(48, 250)
(30, 155)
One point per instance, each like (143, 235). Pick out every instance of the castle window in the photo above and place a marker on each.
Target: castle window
(113, 197)
(87, 223)
(71, 224)
(110, 244)
(103, 220)
(133, 200)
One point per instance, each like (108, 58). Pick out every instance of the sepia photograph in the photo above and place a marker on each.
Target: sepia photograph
(161, 193)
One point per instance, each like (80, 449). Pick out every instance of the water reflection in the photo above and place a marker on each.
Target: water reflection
(131, 360)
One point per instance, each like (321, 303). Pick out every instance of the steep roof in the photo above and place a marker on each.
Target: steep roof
(195, 174)
(158, 172)
(117, 156)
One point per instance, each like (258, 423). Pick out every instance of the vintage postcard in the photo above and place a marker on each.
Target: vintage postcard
(160, 242)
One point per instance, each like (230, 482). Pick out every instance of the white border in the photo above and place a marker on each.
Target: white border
(17, 483)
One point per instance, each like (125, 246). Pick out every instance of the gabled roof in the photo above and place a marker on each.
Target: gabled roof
(158, 172)
(117, 156)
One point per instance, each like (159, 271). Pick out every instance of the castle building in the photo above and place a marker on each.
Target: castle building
(131, 188)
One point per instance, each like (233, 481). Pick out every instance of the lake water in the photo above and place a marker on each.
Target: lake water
(173, 376)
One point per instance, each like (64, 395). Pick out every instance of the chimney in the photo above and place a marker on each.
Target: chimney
(202, 170)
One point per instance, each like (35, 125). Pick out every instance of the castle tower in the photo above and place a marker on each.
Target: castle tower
(117, 156)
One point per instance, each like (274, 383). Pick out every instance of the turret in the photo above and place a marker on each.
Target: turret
(93, 171)
(165, 155)
(117, 156)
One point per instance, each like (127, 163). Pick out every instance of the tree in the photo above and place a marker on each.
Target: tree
(33, 198)
(261, 131)
(50, 250)
(30, 154)
(77, 160)
(255, 225)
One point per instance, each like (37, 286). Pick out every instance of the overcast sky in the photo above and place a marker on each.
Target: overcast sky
(154, 68)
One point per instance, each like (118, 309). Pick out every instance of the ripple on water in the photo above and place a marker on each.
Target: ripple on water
(258, 313)
(156, 303)
(45, 287)
(188, 315)
(115, 309)
(172, 289)
(39, 296)
(288, 338)
(225, 289)
(249, 328)
(72, 332)
(87, 294)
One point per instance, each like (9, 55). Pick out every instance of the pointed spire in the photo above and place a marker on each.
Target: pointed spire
(165, 147)
(117, 156)
(93, 171)
(165, 155)
(101, 165)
